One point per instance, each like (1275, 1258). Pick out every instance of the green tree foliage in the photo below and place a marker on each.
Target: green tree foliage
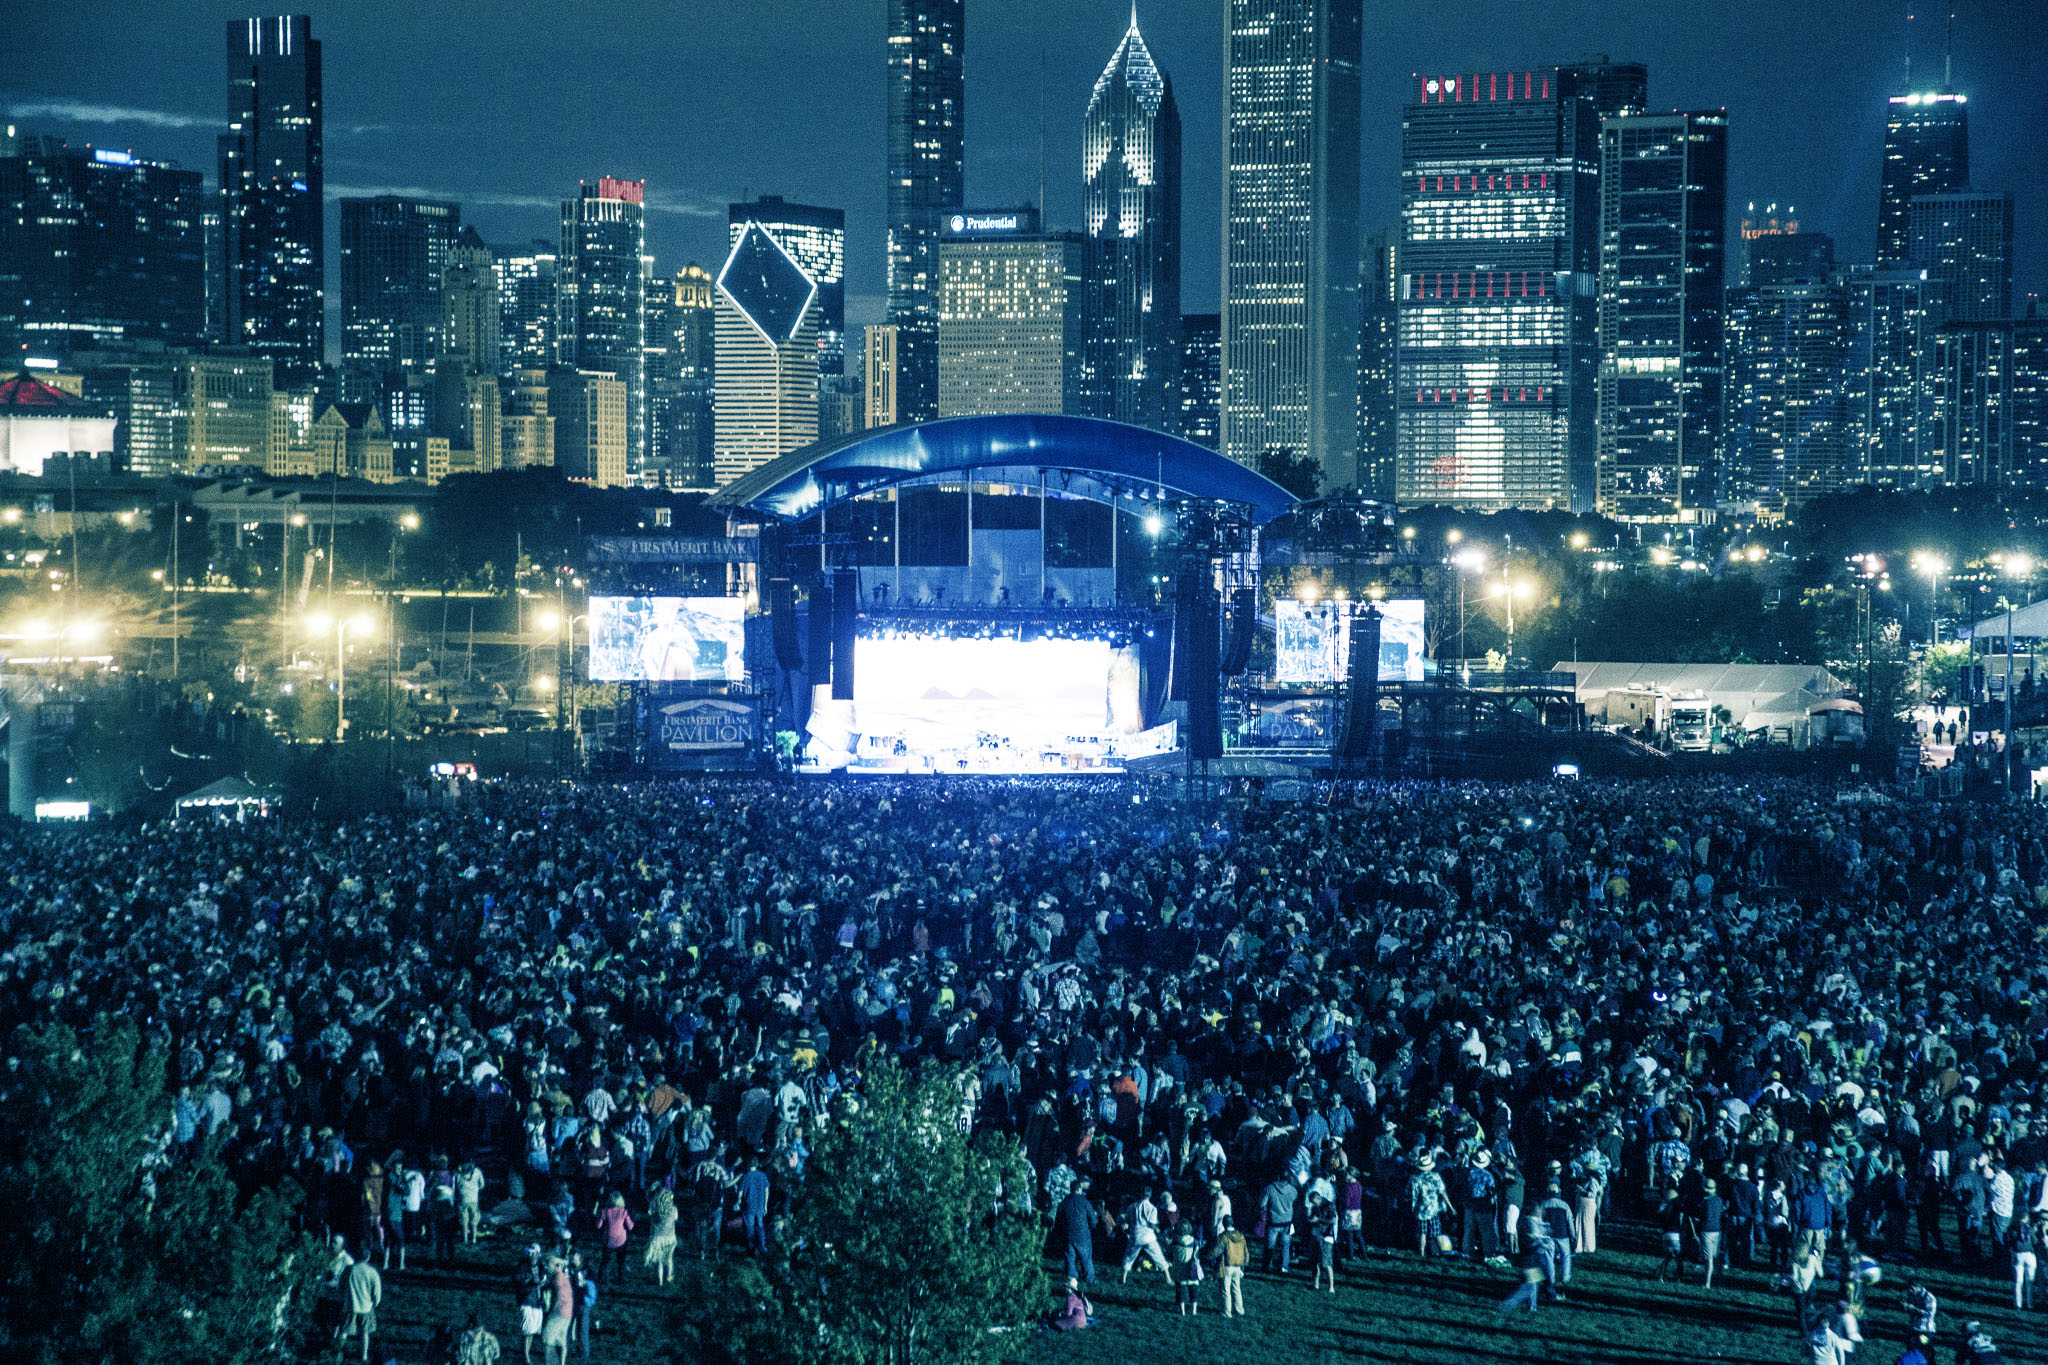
(99, 1270)
(1292, 470)
(908, 1244)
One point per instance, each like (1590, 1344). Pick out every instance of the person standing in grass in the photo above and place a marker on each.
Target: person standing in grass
(1187, 1272)
(1233, 1252)
(1428, 1203)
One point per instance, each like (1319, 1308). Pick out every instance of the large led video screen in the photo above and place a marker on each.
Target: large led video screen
(1312, 640)
(667, 639)
(960, 696)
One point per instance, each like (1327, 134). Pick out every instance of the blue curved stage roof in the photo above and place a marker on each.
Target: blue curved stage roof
(1085, 455)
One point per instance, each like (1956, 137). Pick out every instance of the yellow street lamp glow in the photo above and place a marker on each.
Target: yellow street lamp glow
(2019, 566)
(362, 623)
(298, 518)
(548, 620)
(1407, 533)
(1454, 535)
(157, 574)
(39, 630)
(319, 623)
(1580, 540)
(1308, 592)
(1525, 590)
(1754, 554)
(410, 521)
(543, 684)
(1376, 591)
(83, 630)
(1659, 555)
(10, 514)
(1499, 590)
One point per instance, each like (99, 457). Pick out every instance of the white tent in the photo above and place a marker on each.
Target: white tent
(2028, 623)
(230, 796)
(1773, 697)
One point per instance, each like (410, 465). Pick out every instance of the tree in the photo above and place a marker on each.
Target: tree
(117, 1255)
(1292, 470)
(908, 1242)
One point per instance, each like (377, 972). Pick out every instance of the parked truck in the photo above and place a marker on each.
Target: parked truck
(1682, 720)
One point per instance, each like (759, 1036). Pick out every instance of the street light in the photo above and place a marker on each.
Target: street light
(362, 623)
(1465, 561)
(1508, 592)
(1934, 567)
(2019, 566)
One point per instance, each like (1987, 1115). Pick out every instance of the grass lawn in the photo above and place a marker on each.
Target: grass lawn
(1398, 1308)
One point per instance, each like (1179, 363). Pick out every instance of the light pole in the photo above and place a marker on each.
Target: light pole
(2020, 566)
(1465, 561)
(564, 625)
(359, 624)
(1508, 592)
(284, 585)
(1934, 567)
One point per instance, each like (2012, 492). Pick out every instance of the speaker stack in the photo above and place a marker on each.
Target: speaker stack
(845, 612)
(1362, 696)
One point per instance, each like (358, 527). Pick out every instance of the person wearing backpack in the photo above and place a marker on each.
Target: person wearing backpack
(1480, 1223)
(1187, 1272)
(1234, 1252)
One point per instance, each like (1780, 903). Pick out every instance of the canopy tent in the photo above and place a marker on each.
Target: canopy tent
(2028, 623)
(234, 796)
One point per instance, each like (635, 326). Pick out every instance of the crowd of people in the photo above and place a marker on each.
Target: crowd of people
(1794, 1030)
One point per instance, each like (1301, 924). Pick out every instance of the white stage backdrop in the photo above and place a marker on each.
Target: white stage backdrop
(943, 695)
(667, 639)
(1312, 641)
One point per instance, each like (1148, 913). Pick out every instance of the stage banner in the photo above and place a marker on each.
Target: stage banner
(603, 550)
(696, 725)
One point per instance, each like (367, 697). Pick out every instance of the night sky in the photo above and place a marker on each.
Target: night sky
(504, 106)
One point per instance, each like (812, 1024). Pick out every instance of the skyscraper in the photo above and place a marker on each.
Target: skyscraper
(2030, 402)
(878, 376)
(1663, 257)
(272, 195)
(1926, 151)
(1888, 373)
(1963, 240)
(1495, 404)
(1012, 319)
(1200, 387)
(470, 316)
(1379, 319)
(393, 253)
(693, 368)
(816, 239)
(1791, 419)
(600, 296)
(1613, 88)
(526, 307)
(96, 245)
(588, 408)
(767, 381)
(1290, 208)
(927, 181)
(1130, 174)
(1974, 379)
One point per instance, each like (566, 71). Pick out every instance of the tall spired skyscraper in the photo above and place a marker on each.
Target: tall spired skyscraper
(272, 186)
(1290, 209)
(1926, 151)
(927, 179)
(1130, 172)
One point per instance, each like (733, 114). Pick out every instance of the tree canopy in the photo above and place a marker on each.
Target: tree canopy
(909, 1243)
(114, 1252)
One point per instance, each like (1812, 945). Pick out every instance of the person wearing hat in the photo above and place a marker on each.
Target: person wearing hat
(1233, 1252)
(1479, 1219)
(1428, 1202)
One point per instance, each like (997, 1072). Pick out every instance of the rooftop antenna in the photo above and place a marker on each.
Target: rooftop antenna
(1909, 53)
(1948, 52)
(1041, 137)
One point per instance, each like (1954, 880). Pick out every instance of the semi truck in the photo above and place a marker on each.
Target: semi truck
(1682, 720)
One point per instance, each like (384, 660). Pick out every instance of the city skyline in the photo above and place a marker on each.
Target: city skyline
(1816, 141)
